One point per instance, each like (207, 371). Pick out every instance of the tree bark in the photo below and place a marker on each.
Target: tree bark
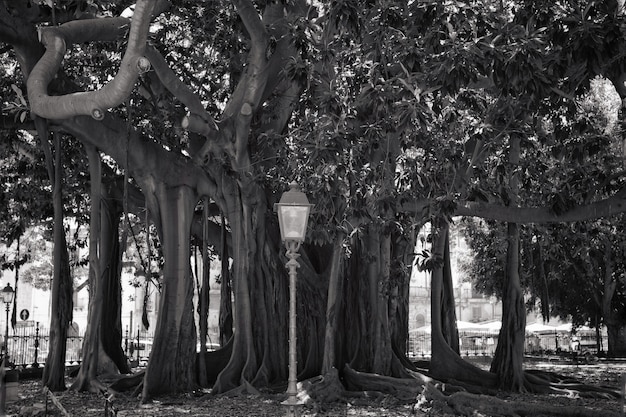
(508, 360)
(111, 261)
(88, 374)
(61, 308)
(616, 329)
(173, 359)
(226, 306)
(203, 296)
(448, 308)
(617, 340)
(333, 306)
(243, 364)
(445, 363)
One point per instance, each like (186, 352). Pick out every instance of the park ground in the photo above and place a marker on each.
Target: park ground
(32, 401)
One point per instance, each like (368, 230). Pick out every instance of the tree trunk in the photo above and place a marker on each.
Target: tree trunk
(509, 357)
(172, 360)
(616, 328)
(617, 339)
(403, 255)
(445, 363)
(448, 309)
(61, 297)
(88, 374)
(203, 296)
(226, 307)
(333, 306)
(508, 360)
(243, 364)
(378, 282)
(259, 286)
(111, 261)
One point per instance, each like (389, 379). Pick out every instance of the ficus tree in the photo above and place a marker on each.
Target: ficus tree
(389, 114)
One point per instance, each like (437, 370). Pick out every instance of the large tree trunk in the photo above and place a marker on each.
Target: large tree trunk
(243, 363)
(403, 256)
(203, 296)
(369, 312)
(378, 280)
(617, 339)
(61, 308)
(333, 306)
(448, 308)
(226, 306)
(445, 363)
(508, 360)
(102, 346)
(87, 376)
(260, 292)
(111, 261)
(616, 328)
(172, 361)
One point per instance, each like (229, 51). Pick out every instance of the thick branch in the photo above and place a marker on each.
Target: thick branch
(94, 103)
(604, 208)
(181, 91)
(252, 21)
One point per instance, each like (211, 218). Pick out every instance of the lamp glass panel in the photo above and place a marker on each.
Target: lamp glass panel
(7, 296)
(294, 219)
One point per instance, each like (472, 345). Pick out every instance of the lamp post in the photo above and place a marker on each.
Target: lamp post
(7, 294)
(293, 214)
(7, 299)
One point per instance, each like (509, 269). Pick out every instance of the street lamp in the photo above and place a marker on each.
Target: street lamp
(7, 299)
(293, 215)
(7, 294)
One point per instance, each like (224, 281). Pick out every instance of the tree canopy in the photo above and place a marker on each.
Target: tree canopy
(390, 115)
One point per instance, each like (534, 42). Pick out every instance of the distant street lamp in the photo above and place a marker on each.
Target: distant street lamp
(293, 215)
(7, 299)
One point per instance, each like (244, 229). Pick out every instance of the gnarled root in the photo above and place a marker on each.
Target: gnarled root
(324, 389)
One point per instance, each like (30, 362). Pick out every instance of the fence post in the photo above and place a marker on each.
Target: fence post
(138, 346)
(35, 363)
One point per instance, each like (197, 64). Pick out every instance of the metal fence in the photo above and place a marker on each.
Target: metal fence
(472, 343)
(28, 346)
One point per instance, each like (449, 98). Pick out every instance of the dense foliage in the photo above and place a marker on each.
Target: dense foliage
(390, 114)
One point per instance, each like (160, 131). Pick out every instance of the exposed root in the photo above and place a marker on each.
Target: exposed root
(467, 404)
(551, 383)
(128, 382)
(215, 361)
(323, 389)
(457, 397)
(403, 389)
(244, 388)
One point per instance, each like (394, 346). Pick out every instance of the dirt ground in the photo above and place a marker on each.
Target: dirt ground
(32, 401)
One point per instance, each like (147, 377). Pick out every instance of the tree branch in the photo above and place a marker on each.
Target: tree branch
(204, 123)
(252, 21)
(603, 208)
(112, 94)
